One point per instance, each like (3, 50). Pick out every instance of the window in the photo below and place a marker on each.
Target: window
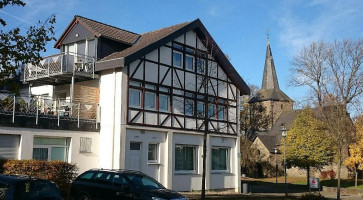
(200, 66)
(189, 63)
(134, 83)
(153, 153)
(212, 111)
(189, 107)
(85, 145)
(150, 101)
(136, 146)
(164, 89)
(151, 87)
(177, 46)
(220, 159)
(164, 102)
(50, 149)
(189, 50)
(200, 109)
(135, 98)
(185, 158)
(177, 59)
(221, 112)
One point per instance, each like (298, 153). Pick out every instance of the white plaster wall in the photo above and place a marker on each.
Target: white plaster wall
(84, 161)
(110, 126)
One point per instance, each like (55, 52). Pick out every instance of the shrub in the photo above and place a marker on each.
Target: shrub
(312, 196)
(61, 173)
(2, 162)
(330, 173)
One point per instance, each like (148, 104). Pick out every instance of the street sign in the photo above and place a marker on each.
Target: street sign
(314, 183)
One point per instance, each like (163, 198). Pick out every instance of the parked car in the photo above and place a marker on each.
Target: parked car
(97, 184)
(19, 187)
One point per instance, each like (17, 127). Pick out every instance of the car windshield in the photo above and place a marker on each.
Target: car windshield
(36, 189)
(144, 182)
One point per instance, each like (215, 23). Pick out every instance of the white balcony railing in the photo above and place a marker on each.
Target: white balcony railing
(46, 107)
(64, 63)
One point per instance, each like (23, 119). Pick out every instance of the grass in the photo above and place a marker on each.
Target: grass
(344, 183)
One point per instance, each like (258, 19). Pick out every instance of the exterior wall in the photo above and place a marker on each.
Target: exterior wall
(84, 161)
(77, 33)
(264, 152)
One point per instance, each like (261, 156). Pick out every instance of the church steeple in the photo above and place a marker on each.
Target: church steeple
(269, 80)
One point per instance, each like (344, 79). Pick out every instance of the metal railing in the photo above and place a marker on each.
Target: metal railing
(46, 107)
(58, 64)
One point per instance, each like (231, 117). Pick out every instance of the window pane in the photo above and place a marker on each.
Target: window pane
(135, 145)
(219, 158)
(184, 158)
(211, 111)
(81, 48)
(150, 100)
(177, 59)
(134, 98)
(58, 153)
(200, 66)
(153, 152)
(189, 107)
(177, 46)
(40, 153)
(189, 63)
(50, 141)
(200, 109)
(91, 48)
(221, 112)
(164, 103)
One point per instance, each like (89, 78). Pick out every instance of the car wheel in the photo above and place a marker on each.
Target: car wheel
(84, 197)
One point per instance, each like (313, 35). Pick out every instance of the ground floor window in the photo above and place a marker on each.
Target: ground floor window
(50, 148)
(220, 159)
(185, 158)
(153, 153)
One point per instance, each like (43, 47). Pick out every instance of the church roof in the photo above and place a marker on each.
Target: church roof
(270, 90)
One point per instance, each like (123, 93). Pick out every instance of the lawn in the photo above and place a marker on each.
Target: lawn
(345, 183)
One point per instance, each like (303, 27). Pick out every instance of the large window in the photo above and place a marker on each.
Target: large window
(189, 107)
(221, 112)
(177, 59)
(212, 111)
(50, 148)
(153, 153)
(200, 109)
(185, 158)
(164, 102)
(135, 98)
(150, 101)
(189, 63)
(220, 159)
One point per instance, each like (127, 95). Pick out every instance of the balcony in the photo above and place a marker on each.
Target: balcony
(47, 113)
(57, 69)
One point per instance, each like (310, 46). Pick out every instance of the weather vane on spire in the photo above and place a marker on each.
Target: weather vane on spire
(268, 36)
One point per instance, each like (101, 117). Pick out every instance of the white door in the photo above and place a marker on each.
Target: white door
(134, 156)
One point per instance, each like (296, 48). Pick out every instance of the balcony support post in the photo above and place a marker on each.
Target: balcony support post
(58, 105)
(14, 110)
(79, 107)
(36, 119)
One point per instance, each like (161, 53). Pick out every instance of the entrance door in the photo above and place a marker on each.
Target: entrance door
(134, 156)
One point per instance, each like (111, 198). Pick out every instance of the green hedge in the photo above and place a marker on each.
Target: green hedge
(61, 173)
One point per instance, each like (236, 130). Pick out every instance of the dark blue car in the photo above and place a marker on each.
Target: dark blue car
(119, 184)
(18, 187)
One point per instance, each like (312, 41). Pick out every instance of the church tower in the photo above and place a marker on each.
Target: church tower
(269, 101)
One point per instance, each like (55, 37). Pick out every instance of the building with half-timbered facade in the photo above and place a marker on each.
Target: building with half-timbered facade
(117, 99)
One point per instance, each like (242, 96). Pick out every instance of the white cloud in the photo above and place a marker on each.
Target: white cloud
(320, 20)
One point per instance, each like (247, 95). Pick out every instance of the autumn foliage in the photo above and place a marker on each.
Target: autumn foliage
(61, 173)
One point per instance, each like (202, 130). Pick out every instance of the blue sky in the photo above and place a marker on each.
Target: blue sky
(238, 26)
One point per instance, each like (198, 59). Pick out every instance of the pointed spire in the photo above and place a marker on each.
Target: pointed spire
(269, 80)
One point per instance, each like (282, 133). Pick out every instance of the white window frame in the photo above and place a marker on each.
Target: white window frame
(228, 160)
(181, 59)
(146, 99)
(49, 147)
(130, 103)
(168, 102)
(195, 160)
(157, 153)
(189, 103)
(186, 66)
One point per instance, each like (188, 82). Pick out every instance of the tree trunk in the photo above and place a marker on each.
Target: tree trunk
(339, 168)
(356, 177)
(308, 176)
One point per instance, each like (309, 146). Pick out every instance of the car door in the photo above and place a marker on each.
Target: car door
(121, 188)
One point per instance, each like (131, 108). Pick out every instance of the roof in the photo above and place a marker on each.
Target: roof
(272, 138)
(270, 90)
(154, 39)
(99, 29)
